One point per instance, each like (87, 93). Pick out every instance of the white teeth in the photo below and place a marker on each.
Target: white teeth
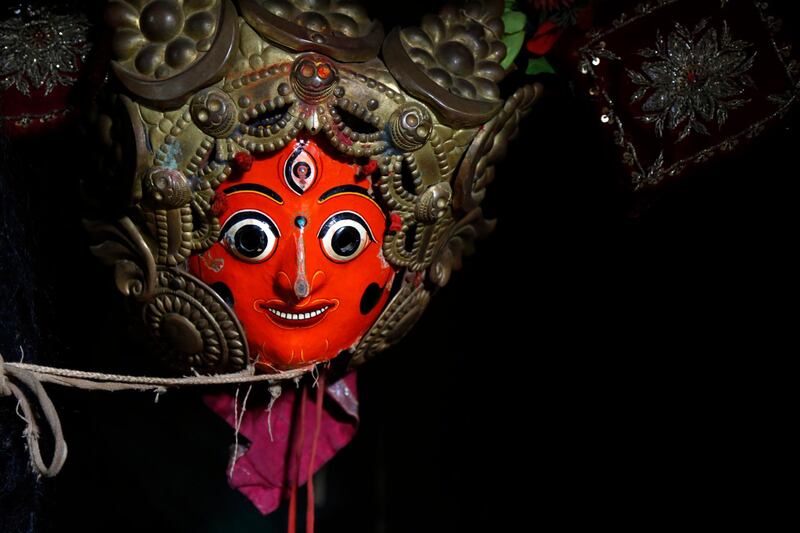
(298, 316)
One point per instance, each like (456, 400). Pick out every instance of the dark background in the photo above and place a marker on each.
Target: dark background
(604, 359)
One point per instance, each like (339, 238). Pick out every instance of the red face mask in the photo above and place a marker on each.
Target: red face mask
(299, 256)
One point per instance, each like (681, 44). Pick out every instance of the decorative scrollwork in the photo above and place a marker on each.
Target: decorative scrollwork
(314, 78)
(411, 126)
(167, 188)
(490, 146)
(195, 329)
(434, 203)
(214, 112)
(120, 245)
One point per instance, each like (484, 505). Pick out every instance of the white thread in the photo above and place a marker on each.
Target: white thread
(238, 417)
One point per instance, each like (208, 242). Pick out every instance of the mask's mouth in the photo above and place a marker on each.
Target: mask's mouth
(290, 316)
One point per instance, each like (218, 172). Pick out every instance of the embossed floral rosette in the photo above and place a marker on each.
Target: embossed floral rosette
(679, 82)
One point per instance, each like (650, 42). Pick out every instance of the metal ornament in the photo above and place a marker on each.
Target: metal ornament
(293, 105)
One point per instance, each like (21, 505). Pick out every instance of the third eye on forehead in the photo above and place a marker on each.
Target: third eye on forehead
(300, 170)
(300, 221)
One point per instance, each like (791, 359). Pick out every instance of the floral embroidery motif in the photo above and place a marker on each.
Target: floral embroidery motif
(41, 49)
(695, 78)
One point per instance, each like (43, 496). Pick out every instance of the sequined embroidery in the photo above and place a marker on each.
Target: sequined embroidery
(670, 92)
(696, 77)
(41, 49)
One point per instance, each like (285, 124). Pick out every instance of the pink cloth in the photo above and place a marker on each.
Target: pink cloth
(262, 472)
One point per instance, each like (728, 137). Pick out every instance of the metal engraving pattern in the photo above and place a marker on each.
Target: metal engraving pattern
(452, 60)
(195, 330)
(164, 49)
(340, 29)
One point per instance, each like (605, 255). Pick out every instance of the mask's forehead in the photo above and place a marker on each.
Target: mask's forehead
(302, 169)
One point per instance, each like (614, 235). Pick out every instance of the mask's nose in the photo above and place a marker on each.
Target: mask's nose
(300, 286)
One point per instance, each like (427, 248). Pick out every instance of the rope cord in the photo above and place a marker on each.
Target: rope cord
(34, 376)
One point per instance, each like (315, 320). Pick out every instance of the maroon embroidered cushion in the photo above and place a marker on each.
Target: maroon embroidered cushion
(679, 82)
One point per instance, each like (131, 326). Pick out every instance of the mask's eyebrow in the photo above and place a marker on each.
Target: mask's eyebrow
(255, 188)
(347, 189)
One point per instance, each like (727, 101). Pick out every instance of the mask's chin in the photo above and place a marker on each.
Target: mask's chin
(283, 342)
(287, 355)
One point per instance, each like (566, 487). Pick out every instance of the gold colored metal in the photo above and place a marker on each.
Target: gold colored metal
(339, 29)
(255, 83)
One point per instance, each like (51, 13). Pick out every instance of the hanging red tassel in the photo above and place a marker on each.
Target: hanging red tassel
(243, 161)
(368, 169)
(298, 455)
(220, 204)
(396, 222)
(318, 425)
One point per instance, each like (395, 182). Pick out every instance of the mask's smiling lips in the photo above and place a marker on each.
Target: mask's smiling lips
(289, 316)
(298, 316)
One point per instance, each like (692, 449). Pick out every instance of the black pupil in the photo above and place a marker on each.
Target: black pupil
(251, 240)
(302, 170)
(345, 241)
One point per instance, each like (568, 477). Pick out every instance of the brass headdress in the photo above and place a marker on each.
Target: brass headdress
(205, 83)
